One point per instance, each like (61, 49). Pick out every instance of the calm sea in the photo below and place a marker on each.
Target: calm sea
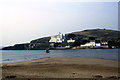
(9, 56)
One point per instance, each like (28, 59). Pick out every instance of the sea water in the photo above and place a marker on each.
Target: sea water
(9, 56)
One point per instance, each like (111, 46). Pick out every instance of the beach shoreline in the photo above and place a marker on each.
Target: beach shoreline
(62, 67)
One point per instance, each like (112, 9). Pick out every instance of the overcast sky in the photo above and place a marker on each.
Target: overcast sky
(24, 20)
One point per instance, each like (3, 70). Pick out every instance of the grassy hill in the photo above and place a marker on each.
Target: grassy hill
(43, 40)
(100, 33)
(81, 37)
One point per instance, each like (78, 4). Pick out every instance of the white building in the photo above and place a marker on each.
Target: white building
(104, 44)
(91, 43)
(58, 38)
(70, 41)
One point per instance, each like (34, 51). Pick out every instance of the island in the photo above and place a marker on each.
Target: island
(91, 38)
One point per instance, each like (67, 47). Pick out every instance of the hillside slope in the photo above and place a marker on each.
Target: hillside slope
(101, 33)
(81, 37)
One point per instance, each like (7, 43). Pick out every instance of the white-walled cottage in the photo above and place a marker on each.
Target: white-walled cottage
(58, 38)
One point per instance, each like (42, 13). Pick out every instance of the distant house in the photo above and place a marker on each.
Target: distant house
(60, 38)
(93, 43)
(31, 46)
(104, 44)
(70, 40)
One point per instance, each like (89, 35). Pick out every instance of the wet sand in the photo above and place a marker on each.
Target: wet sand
(62, 68)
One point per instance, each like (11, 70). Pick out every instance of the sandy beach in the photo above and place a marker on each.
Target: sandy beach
(62, 68)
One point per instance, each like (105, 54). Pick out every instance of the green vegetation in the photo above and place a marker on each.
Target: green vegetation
(41, 40)
(64, 44)
(40, 46)
(80, 38)
(100, 33)
(17, 47)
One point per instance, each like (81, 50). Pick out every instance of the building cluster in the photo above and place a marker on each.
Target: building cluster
(61, 38)
(94, 44)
